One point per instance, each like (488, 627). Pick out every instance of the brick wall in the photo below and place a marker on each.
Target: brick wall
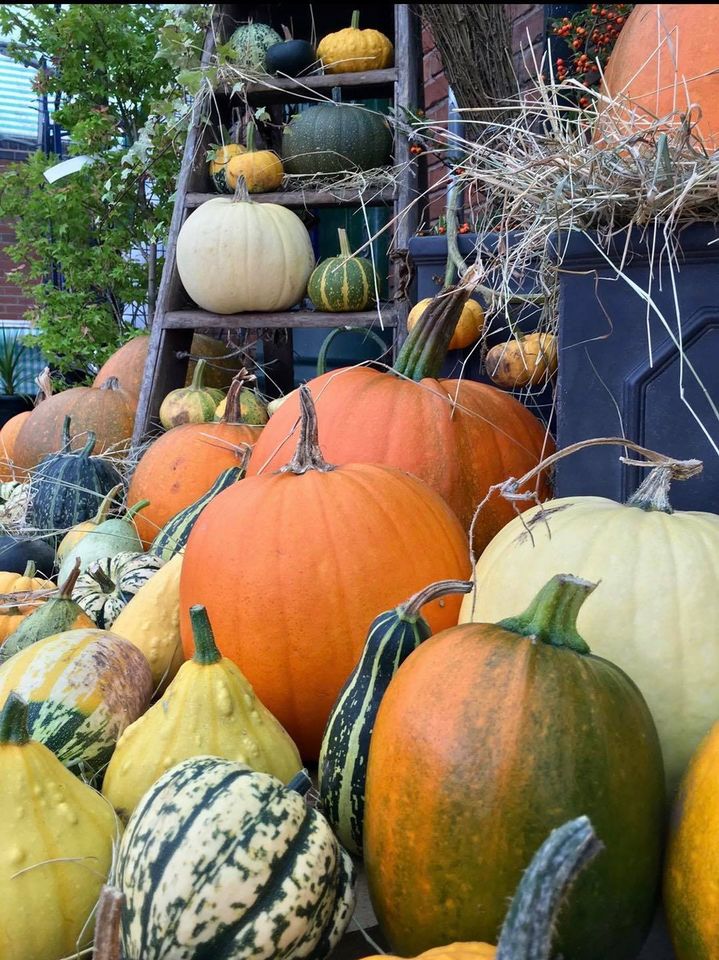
(12, 304)
(527, 23)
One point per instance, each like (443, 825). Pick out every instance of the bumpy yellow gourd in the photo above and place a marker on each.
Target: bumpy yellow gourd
(208, 709)
(59, 827)
(353, 50)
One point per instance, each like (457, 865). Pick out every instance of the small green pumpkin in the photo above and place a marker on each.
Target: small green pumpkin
(249, 44)
(108, 585)
(342, 283)
(116, 535)
(221, 861)
(174, 535)
(334, 137)
(345, 746)
(193, 404)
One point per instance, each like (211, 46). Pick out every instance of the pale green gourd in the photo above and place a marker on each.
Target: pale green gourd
(117, 535)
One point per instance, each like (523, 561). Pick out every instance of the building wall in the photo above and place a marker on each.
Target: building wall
(12, 304)
(527, 23)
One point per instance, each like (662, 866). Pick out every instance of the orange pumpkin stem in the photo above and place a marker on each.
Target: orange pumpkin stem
(411, 610)
(206, 651)
(13, 721)
(552, 616)
(425, 349)
(308, 455)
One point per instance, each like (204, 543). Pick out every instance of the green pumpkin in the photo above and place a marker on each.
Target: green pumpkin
(117, 535)
(249, 44)
(342, 283)
(108, 585)
(221, 861)
(345, 746)
(333, 137)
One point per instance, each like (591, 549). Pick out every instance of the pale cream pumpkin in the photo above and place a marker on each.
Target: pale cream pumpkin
(234, 255)
(654, 611)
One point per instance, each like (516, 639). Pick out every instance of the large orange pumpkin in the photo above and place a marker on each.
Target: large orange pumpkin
(665, 59)
(183, 464)
(459, 436)
(293, 567)
(108, 411)
(8, 436)
(128, 363)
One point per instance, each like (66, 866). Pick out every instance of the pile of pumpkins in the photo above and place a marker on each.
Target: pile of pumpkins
(312, 603)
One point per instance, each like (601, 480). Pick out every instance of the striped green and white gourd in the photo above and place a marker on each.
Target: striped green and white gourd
(67, 487)
(345, 746)
(108, 585)
(343, 283)
(82, 688)
(174, 535)
(219, 861)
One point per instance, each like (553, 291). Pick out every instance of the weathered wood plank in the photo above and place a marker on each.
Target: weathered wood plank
(192, 319)
(339, 197)
(365, 85)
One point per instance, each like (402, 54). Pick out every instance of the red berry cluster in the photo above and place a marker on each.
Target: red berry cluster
(590, 34)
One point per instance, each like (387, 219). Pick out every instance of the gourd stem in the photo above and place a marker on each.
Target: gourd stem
(425, 349)
(345, 249)
(233, 410)
(13, 721)
(199, 375)
(66, 438)
(89, 445)
(206, 651)
(135, 509)
(300, 783)
(107, 925)
(101, 578)
(308, 455)
(104, 507)
(251, 131)
(530, 923)
(69, 585)
(112, 383)
(241, 194)
(355, 20)
(653, 492)
(30, 569)
(412, 608)
(552, 616)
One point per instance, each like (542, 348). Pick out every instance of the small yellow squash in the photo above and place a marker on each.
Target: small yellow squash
(469, 326)
(218, 163)
(528, 361)
(57, 839)
(151, 621)
(353, 50)
(262, 170)
(209, 709)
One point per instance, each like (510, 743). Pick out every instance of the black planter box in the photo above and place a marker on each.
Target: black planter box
(12, 404)
(620, 369)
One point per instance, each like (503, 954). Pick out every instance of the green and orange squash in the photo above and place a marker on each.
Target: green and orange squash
(342, 283)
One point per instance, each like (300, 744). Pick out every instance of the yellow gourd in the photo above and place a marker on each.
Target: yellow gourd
(219, 159)
(209, 709)
(262, 170)
(530, 360)
(469, 326)
(353, 50)
(453, 951)
(57, 839)
(151, 621)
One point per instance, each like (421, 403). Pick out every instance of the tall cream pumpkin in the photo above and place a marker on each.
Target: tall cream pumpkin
(235, 256)
(656, 607)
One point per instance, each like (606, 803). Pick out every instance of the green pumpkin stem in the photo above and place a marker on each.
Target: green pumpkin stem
(308, 455)
(355, 20)
(425, 349)
(135, 509)
(198, 376)
(552, 616)
(251, 133)
(300, 783)
(106, 584)
(653, 492)
(66, 438)
(411, 610)
(530, 923)
(13, 721)
(30, 569)
(68, 586)
(104, 508)
(89, 445)
(206, 651)
(345, 249)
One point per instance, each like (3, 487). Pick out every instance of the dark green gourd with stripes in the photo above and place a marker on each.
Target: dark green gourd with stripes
(67, 487)
(175, 534)
(221, 862)
(391, 639)
(342, 283)
(333, 137)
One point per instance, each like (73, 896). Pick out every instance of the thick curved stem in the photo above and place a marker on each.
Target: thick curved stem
(89, 445)
(653, 492)
(104, 508)
(135, 509)
(425, 349)
(206, 651)
(69, 585)
(308, 455)
(106, 584)
(30, 570)
(411, 610)
(552, 616)
(198, 376)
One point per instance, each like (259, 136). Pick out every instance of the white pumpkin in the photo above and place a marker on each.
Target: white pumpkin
(654, 612)
(235, 256)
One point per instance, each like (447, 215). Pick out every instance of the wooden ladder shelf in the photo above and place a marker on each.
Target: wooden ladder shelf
(176, 317)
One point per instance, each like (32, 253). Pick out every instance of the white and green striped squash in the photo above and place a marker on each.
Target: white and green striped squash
(82, 687)
(249, 43)
(174, 535)
(343, 283)
(108, 585)
(219, 861)
(392, 637)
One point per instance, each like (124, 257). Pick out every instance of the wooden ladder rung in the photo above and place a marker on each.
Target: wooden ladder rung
(339, 197)
(371, 84)
(192, 319)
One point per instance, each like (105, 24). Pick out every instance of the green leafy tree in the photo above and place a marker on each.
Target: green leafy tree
(118, 69)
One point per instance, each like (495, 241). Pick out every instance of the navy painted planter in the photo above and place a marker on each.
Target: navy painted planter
(620, 368)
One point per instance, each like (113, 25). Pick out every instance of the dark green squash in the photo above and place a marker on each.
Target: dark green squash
(342, 283)
(67, 487)
(290, 57)
(174, 535)
(345, 746)
(16, 554)
(332, 137)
